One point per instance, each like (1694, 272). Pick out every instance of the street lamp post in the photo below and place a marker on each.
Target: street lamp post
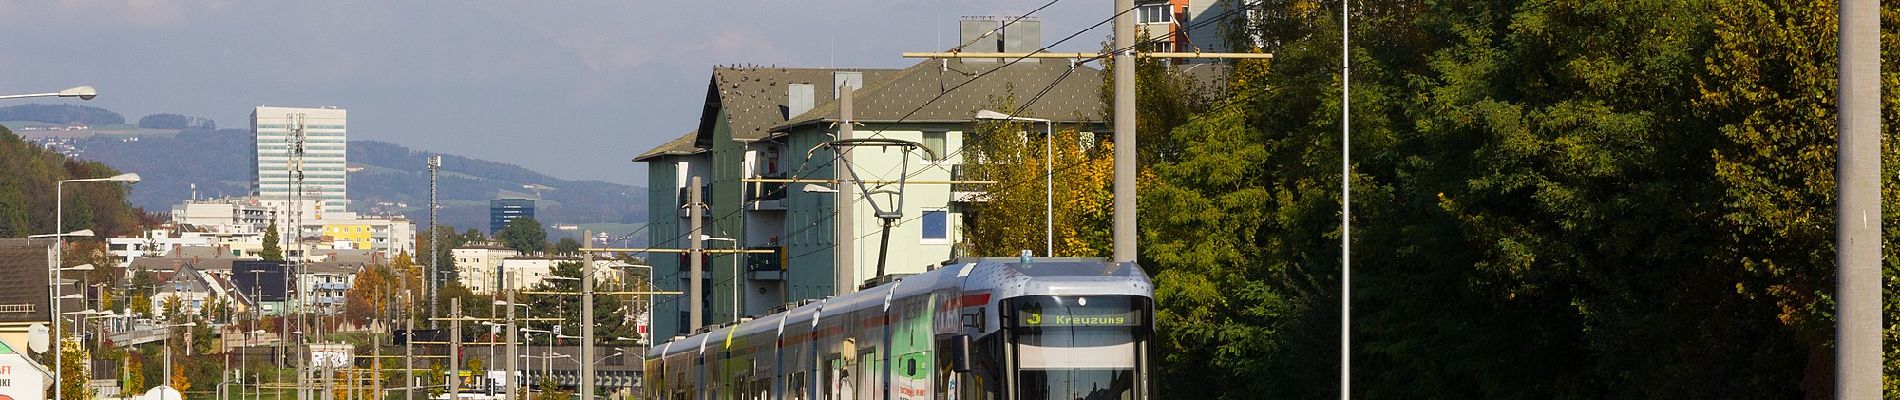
(168, 352)
(1048, 177)
(549, 362)
(530, 332)
(59, 223)
(82, 92)
(649, 309)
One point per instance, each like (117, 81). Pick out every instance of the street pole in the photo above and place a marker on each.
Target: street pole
(1124, 219)
(844, 258)
(529, 383)
(1345, 200)
(376, 365)
(694, 296)
(455, 348)
(1857, 218)
(409, 359)
(587, 318)
(59, 262)
(513, 361)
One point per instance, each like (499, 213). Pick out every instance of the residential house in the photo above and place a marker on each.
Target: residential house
(758, 127)
(196, 290)
(25, 296)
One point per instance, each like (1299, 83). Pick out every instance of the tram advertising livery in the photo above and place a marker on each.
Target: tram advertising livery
(977, 329)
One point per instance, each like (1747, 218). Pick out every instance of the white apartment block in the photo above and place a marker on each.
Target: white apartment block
(478, 267)
(325, 138)
(224, 215)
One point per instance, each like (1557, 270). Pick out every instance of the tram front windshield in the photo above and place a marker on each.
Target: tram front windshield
(1078, 347)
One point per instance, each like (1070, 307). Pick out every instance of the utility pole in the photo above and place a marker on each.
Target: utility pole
(376, 364)
(409, 359)
(1345, 200)
(697, 250)
(1857, 219)
(513, 352)
(1124, 218)
(586, 319)
(435, 272)
(455, 348)
(844, 260)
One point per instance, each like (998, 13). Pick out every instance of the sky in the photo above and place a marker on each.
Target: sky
(573, 89)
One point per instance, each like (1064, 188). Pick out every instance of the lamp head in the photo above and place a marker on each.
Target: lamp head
(816, 188)
(129, 177)
(82, 92)
(987, 114)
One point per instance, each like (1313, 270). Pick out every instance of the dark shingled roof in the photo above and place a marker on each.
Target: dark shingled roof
(679, 146)
(24, 262)
(754, 98)
(1076, 98)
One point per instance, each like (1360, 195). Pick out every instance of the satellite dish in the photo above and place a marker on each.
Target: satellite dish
(36, 338)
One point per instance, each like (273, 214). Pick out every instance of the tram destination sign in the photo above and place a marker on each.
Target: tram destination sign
(1080, 317)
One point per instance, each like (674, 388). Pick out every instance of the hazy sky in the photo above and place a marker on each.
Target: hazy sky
(570, 88)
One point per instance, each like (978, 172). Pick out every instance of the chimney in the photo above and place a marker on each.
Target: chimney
(799, 98)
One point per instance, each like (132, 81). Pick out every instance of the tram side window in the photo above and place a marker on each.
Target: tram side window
(795, 386)
(837, 379)
(868, 373)
(761, 389)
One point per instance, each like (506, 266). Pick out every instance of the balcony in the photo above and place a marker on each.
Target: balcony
(704, 191)
(967, 192)
(765, 196)
(766, 266)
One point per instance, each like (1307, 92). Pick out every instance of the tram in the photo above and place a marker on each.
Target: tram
(976, 329)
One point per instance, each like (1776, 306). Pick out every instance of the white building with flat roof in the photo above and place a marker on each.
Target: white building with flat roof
(479, 267)
(324, 132)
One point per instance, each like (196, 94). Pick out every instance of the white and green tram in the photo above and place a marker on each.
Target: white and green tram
(992, 328)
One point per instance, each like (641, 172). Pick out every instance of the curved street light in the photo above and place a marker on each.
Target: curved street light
(82, 92)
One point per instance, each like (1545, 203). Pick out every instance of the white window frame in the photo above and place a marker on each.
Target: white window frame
(947, 230)
(1145, 15)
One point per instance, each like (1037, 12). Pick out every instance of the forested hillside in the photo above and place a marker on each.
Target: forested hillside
(61, 114)
(28, 176)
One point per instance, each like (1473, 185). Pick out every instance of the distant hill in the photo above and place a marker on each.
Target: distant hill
(389, 179)
(61, 114)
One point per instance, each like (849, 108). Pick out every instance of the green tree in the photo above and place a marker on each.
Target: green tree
(74, 373)
(567, 247)
(272, 251)
(611, 314)
(27, 193)
(524, 235)
(135, 376)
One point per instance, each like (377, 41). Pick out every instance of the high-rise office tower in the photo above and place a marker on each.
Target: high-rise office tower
(503, 211)
(275, 132)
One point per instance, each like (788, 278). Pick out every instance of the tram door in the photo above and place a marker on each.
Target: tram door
(837, 379)
(869, 385)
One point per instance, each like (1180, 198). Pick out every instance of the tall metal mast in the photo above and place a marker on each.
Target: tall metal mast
(435, 272)
(294, 194)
